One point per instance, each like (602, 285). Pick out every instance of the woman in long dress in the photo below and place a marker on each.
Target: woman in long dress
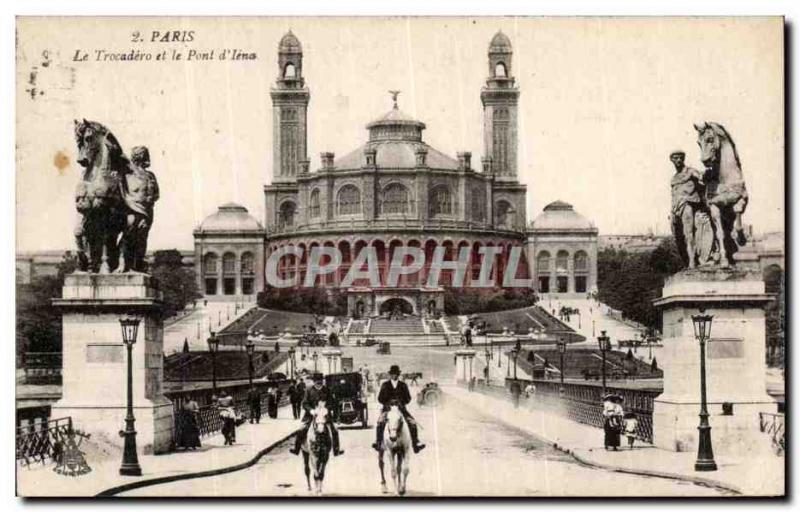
(189, 437)
(612, 421)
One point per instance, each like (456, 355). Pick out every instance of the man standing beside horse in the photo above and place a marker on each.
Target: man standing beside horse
(140, 193)
(313, 396)
(395, 391)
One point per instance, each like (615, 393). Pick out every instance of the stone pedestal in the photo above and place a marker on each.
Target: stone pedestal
(95, 358)
(465, 365)
(735, 367)
(333, 361)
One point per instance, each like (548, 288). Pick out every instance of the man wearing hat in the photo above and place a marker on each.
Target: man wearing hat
(393, 390)
(687, 192)
(313, 396)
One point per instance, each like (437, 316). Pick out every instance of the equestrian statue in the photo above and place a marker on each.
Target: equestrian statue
(707, 206)
(115, 199)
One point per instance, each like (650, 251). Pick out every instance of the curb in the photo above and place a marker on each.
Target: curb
(200, 474)
(620, 469)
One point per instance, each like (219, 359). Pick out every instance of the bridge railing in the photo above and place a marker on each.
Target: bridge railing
(774, 424)
(209, 421)
(42, 441)
(583, 403)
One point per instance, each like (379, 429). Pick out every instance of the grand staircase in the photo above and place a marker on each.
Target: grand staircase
(406, 325)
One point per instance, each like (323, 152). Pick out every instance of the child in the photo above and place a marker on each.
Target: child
(629, 425)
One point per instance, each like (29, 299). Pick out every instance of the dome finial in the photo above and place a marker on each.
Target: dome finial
(394, 94)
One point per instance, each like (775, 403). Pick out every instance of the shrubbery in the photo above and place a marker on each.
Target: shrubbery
(465, 301)
(320, 301)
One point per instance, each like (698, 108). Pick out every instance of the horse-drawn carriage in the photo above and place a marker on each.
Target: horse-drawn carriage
(350, 404)
(384, 347)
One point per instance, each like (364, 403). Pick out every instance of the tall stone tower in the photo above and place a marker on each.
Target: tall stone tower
(499, 98)
(290, 99)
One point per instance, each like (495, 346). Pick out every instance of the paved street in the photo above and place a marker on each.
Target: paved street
(468, 454)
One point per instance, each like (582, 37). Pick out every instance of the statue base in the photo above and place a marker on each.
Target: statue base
(735, 361)
(95, 359)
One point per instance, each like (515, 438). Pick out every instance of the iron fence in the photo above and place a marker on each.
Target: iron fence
(774, 424)
(209, 420)
(583, 402)
(42, 441)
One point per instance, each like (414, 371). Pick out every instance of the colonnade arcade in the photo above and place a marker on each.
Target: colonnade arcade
(562, 272)
(291, 266)
(234, 276)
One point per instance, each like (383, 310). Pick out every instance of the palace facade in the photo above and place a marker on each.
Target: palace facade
(395, 190)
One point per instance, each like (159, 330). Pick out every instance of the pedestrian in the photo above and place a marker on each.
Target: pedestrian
(227, 412)
(629, 426)
(189, 429)
(516, 391)
(273, 397)
(612, 420)
(296, 393)
(254, 401)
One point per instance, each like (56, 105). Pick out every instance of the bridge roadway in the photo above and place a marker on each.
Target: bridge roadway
(469, 453)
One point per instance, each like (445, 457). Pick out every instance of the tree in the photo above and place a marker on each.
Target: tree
(176, 282)
(38, 322)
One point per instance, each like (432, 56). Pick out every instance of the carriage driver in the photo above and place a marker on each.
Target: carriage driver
(394, 390)
(313, 395)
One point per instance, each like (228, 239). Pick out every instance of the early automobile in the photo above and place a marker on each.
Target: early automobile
(350, 404)
(430, 394)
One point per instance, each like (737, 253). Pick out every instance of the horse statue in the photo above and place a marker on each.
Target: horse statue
(317, 447)
(397, 442)
(98, 197)
(726, 194)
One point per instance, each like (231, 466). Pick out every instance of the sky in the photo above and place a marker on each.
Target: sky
(603, 101)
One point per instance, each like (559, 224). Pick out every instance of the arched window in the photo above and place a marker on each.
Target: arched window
(313, 206)
(562, 259)
(441, 202)
(286, 215)
(348, 201)
(500, 70)
(395, 199)
(289, 71)
(504, 215)
(581, 261)
(543, 271)
(479, 204)
(229, 263)
(248, 263)
(210, 262)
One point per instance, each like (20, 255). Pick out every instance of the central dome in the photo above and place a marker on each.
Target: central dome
(395, 125)
(559, 216)
(230, 217)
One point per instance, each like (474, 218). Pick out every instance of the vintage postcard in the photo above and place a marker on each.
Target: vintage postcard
(400, 256)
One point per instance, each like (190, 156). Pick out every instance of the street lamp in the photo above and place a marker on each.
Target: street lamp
(213, 346)
(291, 362)
(515, 354)
(562, 347)
(315, 356)
(605, 344)
(130, 461)
(705, 452)
(250, 346)
(488, 355)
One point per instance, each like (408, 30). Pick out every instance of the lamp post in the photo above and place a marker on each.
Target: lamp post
(562, 347)
(250, 346)
(130, 461)
(315, 356)
(515, 354)
(605, 344)
(488, 355)
(291, 362)
(705, 452)
(213, 346)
